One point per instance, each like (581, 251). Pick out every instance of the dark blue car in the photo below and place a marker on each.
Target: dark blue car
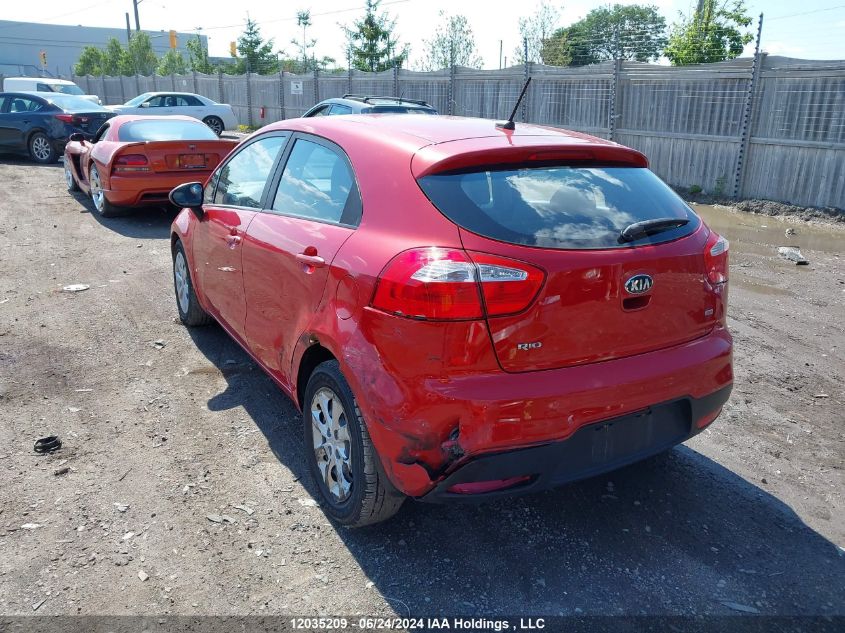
(39, 124)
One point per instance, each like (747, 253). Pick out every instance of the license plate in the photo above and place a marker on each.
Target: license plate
(192, 161)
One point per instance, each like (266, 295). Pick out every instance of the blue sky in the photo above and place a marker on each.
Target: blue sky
(814, 29)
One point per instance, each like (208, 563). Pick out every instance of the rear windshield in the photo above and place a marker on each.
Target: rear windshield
(559, 207)
(69, 103)
(165, 130)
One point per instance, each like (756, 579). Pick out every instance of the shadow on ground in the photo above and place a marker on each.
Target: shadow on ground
(676, 534)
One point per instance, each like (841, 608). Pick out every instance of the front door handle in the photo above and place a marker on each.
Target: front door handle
(233, 240)
(311, 260)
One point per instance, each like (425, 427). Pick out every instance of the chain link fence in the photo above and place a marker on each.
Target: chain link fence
(781, 137)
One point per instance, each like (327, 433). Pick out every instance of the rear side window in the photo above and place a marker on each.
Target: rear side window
(317, 184)
(22, 104)
(172, 130)
(559, 207)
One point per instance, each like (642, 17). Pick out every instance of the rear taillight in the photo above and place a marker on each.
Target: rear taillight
(64, 118)
(716, 258)
(444, 284)
(131, 163)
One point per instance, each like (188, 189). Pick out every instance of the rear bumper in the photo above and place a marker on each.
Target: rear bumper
(148, 189)
(593, 449)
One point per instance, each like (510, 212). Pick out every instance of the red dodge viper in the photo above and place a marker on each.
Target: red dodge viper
(136, 160)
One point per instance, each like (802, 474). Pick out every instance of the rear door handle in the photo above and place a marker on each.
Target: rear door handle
(311, 260)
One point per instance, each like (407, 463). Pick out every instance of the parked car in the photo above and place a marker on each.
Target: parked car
(460, 311)
(217, 116)
(363, 104)
(47, 84)
(136, 161)
(39, 124)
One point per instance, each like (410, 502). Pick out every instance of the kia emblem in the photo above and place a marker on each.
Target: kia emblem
(638, 284)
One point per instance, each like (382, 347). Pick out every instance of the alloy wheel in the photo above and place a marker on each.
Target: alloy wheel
(97, 194)
(180, 276)
(69, 176)
(332, 443)
(41, 148)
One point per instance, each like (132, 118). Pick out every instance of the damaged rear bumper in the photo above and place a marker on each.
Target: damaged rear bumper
(593, 449)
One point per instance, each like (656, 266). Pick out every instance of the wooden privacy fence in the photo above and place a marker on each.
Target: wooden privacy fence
(763, 127)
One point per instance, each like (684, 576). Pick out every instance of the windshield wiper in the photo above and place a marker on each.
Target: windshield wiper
(649, 227)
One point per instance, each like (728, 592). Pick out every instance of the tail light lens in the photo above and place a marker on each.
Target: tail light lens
(131, 163)
(716, 258)
(442, 284)
(64, 118)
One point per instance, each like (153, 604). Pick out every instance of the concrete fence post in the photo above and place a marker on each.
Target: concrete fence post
(122, 91)
(155, 82)
(527, 69)
(613, 107)
(282, 93)
(137, 84)
(316, 85)
(747, 125)
(196, 83)
(249, 99)
(395, 80)
(103, 82)
(173, 82)
(451, 91)
(220, 96)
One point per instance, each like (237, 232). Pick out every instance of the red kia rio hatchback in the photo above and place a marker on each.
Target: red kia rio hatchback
(460, 311)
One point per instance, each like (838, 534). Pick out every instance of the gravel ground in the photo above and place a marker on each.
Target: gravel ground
(180, 488)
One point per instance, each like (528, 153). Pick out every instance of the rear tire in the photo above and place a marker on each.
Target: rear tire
(101, 204)
(215, 123)
(190, 310)
(41, 150)
(341, 457)
(70, 180)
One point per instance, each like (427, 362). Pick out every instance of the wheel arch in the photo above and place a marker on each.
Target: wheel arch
(313, 355)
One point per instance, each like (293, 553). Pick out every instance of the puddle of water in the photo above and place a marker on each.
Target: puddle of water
(761, 235)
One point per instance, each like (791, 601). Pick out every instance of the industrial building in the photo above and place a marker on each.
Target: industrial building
(22, 43)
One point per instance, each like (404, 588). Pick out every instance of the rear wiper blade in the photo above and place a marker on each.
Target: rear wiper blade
(649, 227)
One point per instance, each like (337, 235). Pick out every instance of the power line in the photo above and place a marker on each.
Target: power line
(792, 15)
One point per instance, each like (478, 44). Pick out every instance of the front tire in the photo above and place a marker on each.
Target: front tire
(98, 196)
(341, 457)
(41, 149)
(215, 123)
(70, 181)
(190, 310)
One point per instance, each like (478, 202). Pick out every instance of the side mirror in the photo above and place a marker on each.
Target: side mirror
(146, 104)
(188, 196)
(76, 137)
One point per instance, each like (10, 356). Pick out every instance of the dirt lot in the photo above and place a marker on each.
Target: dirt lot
(160, 436)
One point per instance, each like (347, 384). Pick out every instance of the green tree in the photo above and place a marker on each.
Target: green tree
(198, 56)
(254, 53)
(116, 60)
(453, 44)
(372, 45)
(172, 63)
(143, 60)
(713, 34)
(633, 32)
(535, 30)
(90, 62)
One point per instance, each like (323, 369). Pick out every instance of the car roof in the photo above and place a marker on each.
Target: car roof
(53, 80)
(171, 92)
(435, 142)
(120, 119)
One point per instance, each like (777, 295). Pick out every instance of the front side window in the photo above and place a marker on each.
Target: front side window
(340, 109)
(241, 181)
(572, 207)
(318, 184)
(320, 112)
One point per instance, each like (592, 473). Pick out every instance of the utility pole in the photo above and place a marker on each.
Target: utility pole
(500, 54)
(135, 4)
(128, 29)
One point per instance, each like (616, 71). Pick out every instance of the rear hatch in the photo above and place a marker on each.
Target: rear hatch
(605, 295)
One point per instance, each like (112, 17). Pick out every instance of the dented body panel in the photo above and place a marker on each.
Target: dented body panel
(437, 395)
